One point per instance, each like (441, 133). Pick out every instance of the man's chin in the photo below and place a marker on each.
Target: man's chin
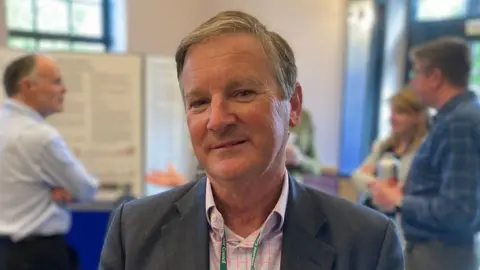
(227, 171)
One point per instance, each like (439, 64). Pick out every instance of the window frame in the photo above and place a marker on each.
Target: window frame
(414, 12)
(37, 35)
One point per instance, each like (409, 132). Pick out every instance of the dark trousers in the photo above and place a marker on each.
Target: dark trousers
(37, 253)
(439, 256)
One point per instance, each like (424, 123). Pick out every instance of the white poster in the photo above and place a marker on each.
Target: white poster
(166, 132)
(103, 120)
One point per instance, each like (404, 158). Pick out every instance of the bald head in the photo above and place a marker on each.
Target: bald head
(44, 66)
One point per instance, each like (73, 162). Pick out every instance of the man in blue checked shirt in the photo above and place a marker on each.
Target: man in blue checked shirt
(441, 198)
(37, 170)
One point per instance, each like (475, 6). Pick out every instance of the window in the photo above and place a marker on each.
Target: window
(58, 25)
(434, 10)
(475, 73)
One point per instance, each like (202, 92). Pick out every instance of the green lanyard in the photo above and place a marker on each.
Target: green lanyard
(223, 256)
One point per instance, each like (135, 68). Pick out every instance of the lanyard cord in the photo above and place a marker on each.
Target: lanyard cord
(223, 251)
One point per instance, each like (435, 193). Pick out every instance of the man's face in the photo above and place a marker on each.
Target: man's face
(237, 116)
(425, 82)
(45, 91)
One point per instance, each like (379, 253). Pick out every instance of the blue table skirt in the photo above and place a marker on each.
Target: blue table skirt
(89, 226)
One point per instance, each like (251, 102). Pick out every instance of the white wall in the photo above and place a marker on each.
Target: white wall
(315, 29)
(157, 26)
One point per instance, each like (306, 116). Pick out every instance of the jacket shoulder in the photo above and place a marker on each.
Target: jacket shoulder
(155, 205)
(353, 221)
(145, 215)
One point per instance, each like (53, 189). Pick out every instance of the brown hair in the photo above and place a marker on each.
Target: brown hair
(16, 71)
(406, 100)
(450, 55)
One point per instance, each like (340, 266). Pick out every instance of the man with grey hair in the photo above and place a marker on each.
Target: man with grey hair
(440, 203)
(241, 97)
(38, 173)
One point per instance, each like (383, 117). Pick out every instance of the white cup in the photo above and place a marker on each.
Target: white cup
(386, 168)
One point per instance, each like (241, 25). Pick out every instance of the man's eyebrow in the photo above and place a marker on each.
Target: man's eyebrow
(231, 85)
(193, 94)
(244, 82)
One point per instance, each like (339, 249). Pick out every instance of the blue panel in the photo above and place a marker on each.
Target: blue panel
(361, 91)
(87, 235)
(355, 92)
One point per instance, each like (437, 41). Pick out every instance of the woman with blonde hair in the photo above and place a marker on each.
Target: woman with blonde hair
(390, 158)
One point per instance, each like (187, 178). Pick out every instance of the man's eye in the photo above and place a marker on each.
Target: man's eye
(245, 94)
(197, 103)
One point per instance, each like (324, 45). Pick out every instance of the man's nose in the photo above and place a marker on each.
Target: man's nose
(221, 115)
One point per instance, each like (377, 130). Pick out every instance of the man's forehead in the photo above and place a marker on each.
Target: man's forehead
(235, 41)
(236, 48)
(420, 63)
(214, 65)
(229, 84)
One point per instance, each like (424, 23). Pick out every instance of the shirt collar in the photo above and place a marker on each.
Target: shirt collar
(450, 105)
(280, 207)
(21, 108)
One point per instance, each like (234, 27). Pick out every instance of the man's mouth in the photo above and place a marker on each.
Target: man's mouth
(228, 144)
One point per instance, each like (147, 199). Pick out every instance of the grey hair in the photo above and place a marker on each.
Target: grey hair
(17, 70)
(282, 58)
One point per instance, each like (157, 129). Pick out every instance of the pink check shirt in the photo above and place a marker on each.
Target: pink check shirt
(239, 250)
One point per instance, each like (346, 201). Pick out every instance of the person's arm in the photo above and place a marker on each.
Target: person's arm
(309, 162)
(171, 177)
(364, 175)
(113, 256)
(455, 206)
(305, 159)
(391, 255)
(65, 171)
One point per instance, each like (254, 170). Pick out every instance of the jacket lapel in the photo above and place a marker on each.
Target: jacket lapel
(185, 236)
(303, 242)
(186, 243)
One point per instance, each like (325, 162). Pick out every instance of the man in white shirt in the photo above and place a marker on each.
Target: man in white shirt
(37, 169)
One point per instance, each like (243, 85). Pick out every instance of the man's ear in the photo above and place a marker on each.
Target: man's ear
(437, 77)
(296, 105)
(25, 83)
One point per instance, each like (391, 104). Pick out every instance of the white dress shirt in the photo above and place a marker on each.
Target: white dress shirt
(34, 159)
(239, 250)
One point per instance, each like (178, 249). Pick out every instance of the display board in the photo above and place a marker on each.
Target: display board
(103, 118)
(166, 135)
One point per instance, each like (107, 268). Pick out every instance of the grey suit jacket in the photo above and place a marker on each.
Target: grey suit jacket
(321, 232)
